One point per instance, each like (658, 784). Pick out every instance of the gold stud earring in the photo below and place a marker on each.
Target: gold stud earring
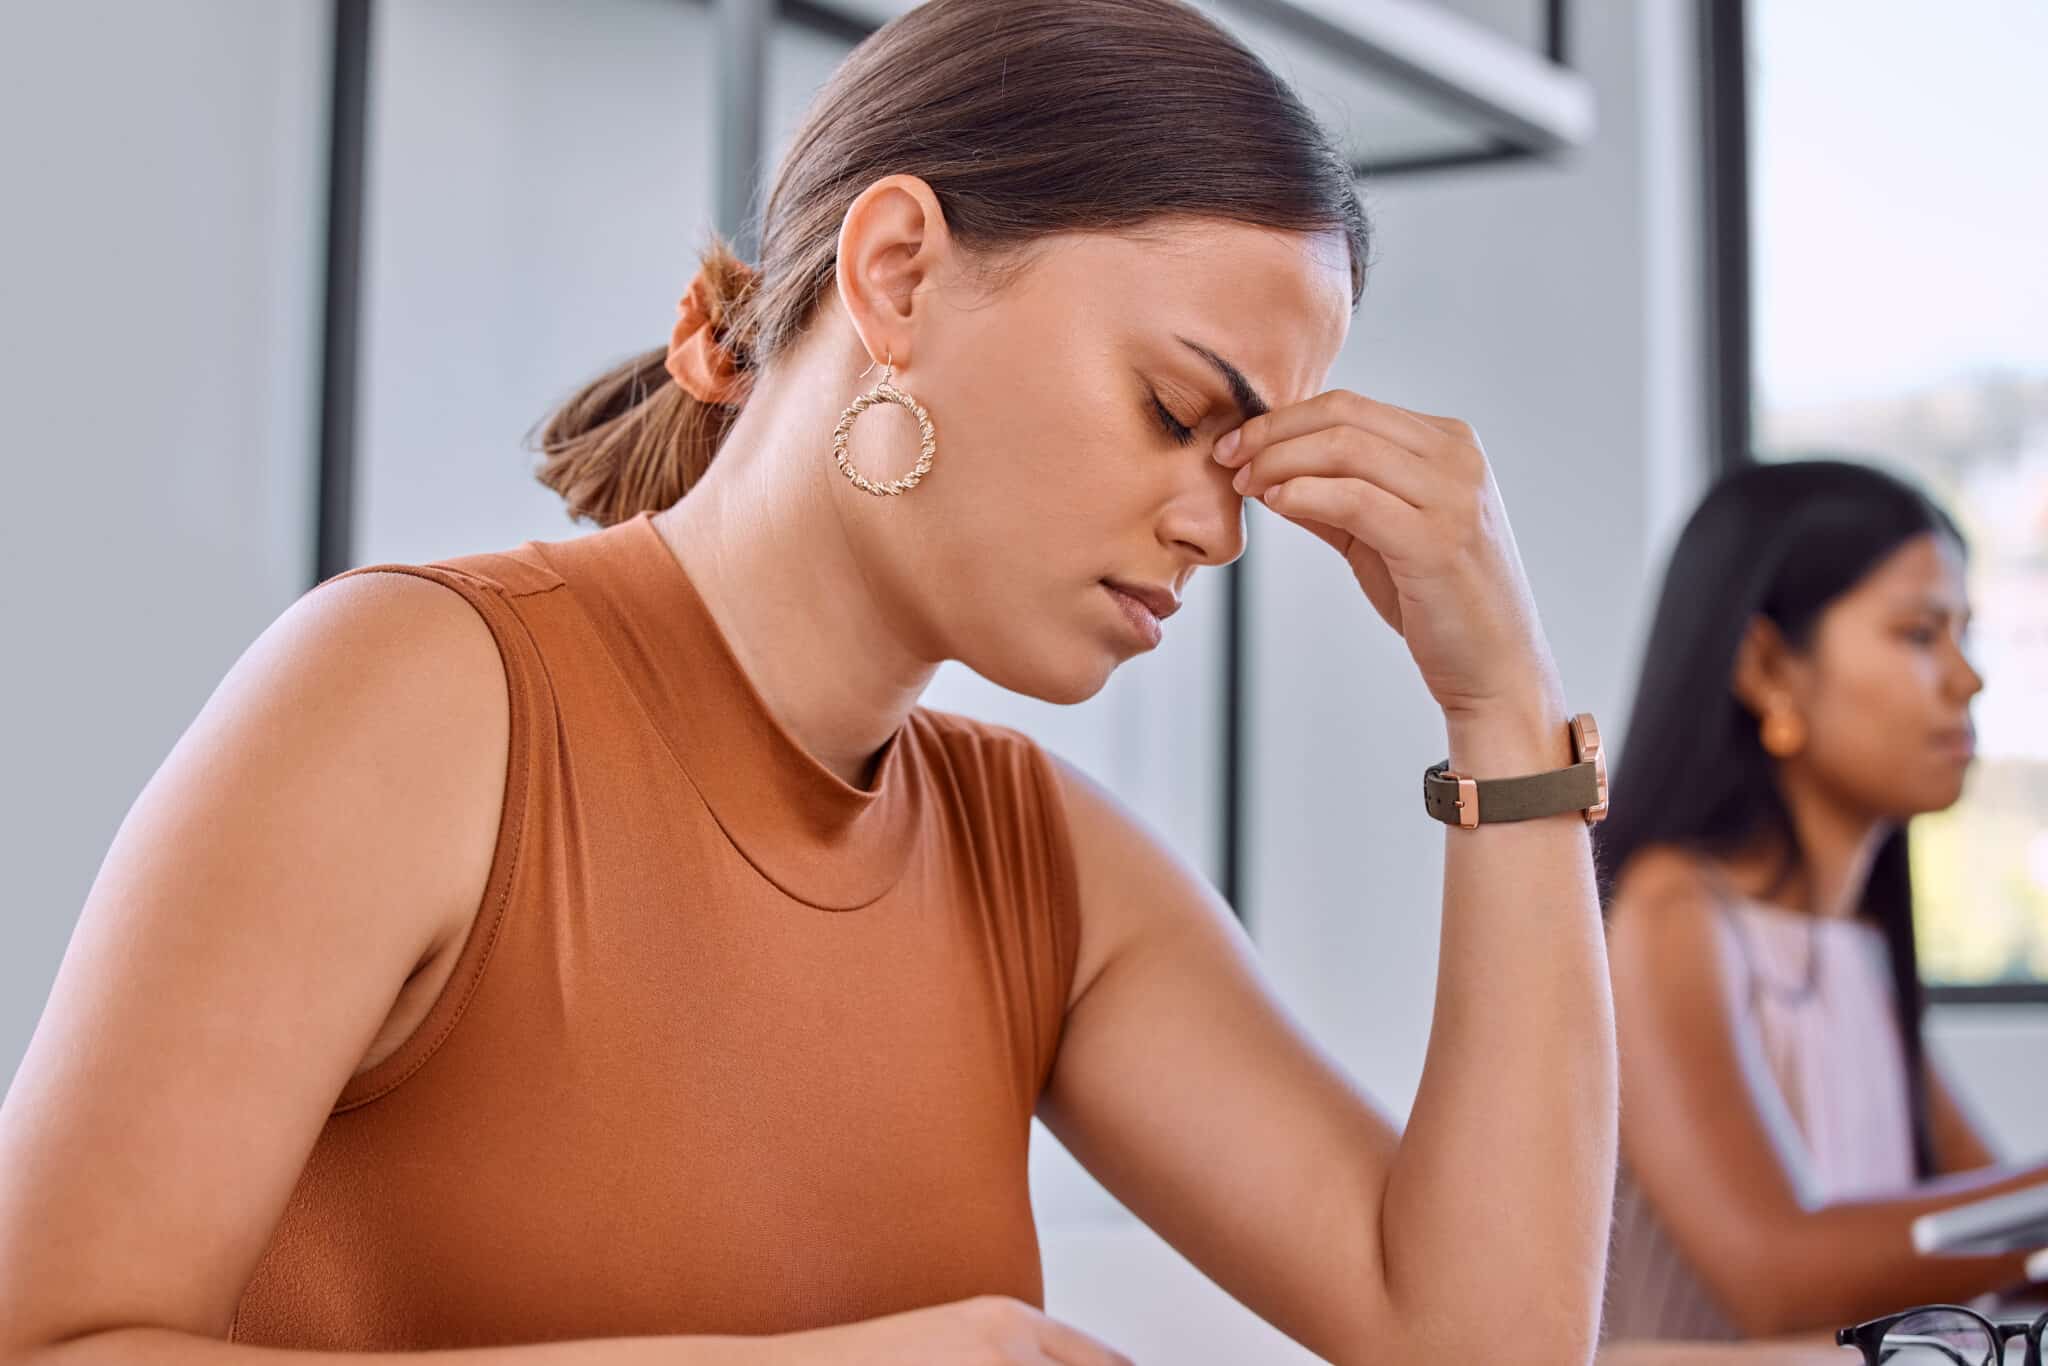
(1782, 733)
(884, 392)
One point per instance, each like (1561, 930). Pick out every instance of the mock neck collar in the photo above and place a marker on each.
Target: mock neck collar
(807, 830)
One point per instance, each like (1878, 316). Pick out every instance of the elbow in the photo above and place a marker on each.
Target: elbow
(1761, 1315)
(1762, 1289)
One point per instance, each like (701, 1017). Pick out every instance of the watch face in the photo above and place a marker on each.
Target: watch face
(1586, 740)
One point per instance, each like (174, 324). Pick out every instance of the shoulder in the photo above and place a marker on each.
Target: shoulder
(356, 751)
(1664, 919)
(416, 633)
(410, 675)
(1133, 886)
(1128, 879)
(1087, 806)
(999, 758)
(416, 676)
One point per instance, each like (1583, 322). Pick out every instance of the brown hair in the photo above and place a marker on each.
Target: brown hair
(1126, 112)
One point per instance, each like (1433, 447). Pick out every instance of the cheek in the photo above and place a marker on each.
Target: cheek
(1071, 474)
(1870, 728)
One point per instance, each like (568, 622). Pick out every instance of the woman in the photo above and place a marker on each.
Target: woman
(595, 943)
(1804, 694)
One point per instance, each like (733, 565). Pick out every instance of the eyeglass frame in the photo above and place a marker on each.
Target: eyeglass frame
(1868, 1337)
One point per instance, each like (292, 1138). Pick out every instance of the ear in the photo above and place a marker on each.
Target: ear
(892, 242)
(1764, 666)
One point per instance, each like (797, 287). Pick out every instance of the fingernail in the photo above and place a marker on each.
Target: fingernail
(1227, 447)
(1243, 477)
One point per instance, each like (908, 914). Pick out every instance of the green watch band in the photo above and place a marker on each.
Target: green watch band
(1458, 800)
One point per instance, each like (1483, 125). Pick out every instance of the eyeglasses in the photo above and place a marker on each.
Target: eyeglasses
(1941, 1335)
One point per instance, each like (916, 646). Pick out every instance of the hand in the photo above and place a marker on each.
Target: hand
(1409, 501)
(988, 1330)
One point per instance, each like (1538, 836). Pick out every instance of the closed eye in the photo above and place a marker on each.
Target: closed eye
(1184, 435)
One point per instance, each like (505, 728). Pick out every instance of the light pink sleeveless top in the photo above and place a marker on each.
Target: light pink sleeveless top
(1814, 995)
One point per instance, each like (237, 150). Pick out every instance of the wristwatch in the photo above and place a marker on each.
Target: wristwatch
(1458, 800)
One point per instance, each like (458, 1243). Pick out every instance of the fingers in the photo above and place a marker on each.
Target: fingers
(1367, 511)
(1069, 1346)
(1456, 428)
(1338, 450)
(1409, 430)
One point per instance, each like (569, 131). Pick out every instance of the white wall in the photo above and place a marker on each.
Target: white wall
(160, 260)
(538, 177)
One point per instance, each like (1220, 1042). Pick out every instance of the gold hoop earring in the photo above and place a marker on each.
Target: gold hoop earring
(884, 392)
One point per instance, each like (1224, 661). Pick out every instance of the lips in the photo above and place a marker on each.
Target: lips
(1159, 601)
(1143, 624)
(1961, 741)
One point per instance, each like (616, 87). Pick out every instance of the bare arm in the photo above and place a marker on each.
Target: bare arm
(1511, 1143)
(1959, 1141)
(1700, 1139)
(1185, 1085)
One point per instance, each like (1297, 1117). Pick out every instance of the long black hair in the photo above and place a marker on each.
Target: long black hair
(1781, 540)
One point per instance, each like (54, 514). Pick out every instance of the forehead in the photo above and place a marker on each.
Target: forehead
(1924, 568)
(1276, 304)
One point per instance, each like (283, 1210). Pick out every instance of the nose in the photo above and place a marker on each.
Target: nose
(1207, 521)
(1973, 681)
(1967, 681)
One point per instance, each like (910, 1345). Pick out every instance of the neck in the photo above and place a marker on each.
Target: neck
(1837, 842)
(765, 537)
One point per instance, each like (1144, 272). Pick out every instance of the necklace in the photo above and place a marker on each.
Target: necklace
(1761, 983)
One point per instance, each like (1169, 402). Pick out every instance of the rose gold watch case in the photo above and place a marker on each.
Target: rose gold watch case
(1585, 746)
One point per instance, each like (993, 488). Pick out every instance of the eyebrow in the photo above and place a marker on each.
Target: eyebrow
(1250, 403)
(1936, 607)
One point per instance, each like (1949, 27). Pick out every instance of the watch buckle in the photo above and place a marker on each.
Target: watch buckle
(1467, 801)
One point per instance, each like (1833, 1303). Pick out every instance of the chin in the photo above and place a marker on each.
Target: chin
(1937, 794)
(1946, 797)
(1056, 676)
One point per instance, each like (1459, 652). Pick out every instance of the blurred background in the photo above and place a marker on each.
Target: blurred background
(286, 282)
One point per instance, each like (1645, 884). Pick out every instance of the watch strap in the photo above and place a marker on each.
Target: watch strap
(1528, 797)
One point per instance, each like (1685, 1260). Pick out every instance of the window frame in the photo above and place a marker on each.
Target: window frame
(1730, 320)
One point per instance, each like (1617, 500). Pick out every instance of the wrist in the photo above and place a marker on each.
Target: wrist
(1533, 736)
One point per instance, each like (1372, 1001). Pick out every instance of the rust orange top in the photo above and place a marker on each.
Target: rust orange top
(732, 1046)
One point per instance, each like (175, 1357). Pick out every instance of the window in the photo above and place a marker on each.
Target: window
(1897, 208)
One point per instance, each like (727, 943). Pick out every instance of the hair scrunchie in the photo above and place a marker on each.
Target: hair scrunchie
(699, 362)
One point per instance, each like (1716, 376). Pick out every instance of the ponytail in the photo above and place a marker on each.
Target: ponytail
(633, 440)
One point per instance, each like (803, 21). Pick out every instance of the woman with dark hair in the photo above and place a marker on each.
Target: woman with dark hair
(1804, 693)
(591, 952)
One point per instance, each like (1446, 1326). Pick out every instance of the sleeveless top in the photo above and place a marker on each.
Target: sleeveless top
(732, 1046)
(1813, 996)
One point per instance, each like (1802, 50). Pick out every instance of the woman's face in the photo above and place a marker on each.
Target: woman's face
(1885, 687)
(1074, 412)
